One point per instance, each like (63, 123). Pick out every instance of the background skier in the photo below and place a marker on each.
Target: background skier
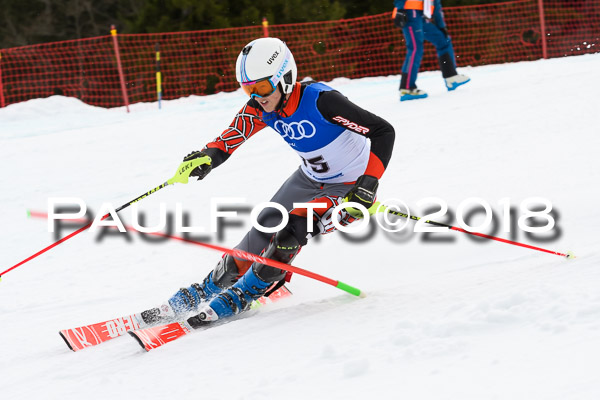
(424, 20)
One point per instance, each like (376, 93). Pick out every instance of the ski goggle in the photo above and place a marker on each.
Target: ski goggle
(260, 88)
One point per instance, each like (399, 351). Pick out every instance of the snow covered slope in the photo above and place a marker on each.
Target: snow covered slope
(452, 319)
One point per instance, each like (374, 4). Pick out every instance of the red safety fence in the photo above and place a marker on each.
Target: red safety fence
(203, 62)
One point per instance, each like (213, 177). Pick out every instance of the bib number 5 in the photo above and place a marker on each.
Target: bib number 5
(317, 164)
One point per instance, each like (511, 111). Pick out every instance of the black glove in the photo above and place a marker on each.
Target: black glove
(400, 18)
(202, 170)
(364, 191)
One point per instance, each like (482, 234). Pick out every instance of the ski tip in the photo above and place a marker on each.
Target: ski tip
(66, 341)
(137, 339)
(362, 295)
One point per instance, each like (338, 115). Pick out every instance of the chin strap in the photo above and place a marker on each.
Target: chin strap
(283, 102)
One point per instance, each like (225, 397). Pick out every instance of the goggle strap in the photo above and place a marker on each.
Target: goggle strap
(274, 80)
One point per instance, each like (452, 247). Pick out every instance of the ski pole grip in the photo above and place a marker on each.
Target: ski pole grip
(185, 169)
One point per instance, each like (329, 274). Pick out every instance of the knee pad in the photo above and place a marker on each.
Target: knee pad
(296, 227)
(283, 248)
(268, 273)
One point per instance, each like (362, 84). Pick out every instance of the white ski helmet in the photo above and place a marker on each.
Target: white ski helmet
(263, 61)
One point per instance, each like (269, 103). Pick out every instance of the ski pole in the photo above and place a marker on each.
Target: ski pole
(246, 256)
(377, 207)
(181, 176)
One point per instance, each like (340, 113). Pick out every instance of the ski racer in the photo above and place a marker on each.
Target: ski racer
(344, 151)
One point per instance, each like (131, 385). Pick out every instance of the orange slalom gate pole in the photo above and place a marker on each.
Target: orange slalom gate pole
(265, 25)
(543, 29)
(113, 32)
(1, 89)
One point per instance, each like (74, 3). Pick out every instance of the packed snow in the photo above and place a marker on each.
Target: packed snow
(445, 316)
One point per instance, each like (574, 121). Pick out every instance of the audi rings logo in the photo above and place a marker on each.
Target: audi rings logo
(296, 130)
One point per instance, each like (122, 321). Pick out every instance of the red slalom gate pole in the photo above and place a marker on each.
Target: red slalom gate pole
(53, 245)
(235, 253)
(77, 232)
(181, 176)
(483, 235)
(273, 263)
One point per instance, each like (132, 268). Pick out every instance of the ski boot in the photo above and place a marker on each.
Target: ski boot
(252, 285)
(412, 94)
(455, 81)
(408, 93)
(189, 299)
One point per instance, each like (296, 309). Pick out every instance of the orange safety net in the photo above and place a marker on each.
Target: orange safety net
(203, 62)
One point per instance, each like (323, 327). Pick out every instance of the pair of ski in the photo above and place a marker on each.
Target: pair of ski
(150, 337)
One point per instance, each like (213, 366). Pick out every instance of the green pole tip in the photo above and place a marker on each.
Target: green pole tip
(28, 214)
(348, 288)
(570, 255)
